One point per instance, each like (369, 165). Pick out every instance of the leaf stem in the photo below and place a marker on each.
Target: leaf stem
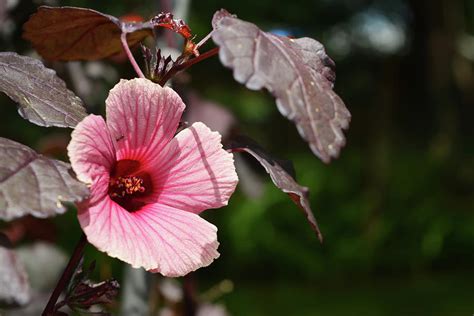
(188, 64)
(123, 39)
(66, 276)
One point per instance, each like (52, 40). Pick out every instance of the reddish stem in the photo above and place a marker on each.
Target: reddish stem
(123, 39)
(188, 64)
(189, 291)
(66, 276)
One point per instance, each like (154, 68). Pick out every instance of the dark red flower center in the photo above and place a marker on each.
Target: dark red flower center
(129, 185)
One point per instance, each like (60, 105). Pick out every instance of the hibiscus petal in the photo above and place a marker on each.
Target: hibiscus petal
(202, 174)
(91, 150)
(143, 117)
(158, 238)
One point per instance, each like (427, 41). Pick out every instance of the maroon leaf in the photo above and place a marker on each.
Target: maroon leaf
(14, 286)
(33, 184)
(68, 33)
(88, 293)
(296, 71)
(83, 293)
(43, 97)
(282, 174)
(167, 21)
(156, 65)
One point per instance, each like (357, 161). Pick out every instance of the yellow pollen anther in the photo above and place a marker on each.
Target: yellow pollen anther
(123, 186)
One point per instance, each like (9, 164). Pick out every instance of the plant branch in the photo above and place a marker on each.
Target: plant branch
(189, 298)
(123, 39)
(188, 64)
(68, 272)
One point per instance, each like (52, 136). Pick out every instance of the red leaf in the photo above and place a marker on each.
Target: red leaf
(68, 33)
(178, 26)
(83, 293)
(132, 18)
(282, 174)
(296, 71)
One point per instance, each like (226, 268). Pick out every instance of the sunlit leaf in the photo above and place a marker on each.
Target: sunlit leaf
(33, 184)
(42, 96)
(296, 71)
(14, 286)
(282, 174)
(68, 33)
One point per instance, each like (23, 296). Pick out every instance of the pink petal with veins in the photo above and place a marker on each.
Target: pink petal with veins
(203, 176)
(148, 186)
(143, 117)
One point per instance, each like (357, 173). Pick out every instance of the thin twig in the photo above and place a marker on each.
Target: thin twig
(66, 276)
(123, 39)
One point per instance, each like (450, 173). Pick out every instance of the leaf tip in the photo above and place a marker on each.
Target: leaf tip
(320, 237)
(219, 15)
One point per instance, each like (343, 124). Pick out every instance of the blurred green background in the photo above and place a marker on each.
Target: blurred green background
(396, 209)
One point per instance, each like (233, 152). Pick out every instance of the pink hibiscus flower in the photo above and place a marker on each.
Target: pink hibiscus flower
(148, 185)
